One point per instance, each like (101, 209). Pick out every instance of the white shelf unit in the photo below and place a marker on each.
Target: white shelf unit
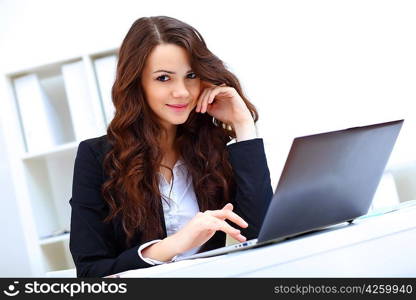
(48, 110)
(104, 65)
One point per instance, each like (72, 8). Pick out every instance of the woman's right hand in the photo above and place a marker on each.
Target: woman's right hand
(204, 225)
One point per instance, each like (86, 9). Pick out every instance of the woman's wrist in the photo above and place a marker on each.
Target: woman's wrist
(245, 130)
(164, 250)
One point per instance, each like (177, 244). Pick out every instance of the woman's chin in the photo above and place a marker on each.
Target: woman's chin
(179, 120)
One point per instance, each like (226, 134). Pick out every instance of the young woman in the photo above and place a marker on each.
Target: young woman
(165, 181)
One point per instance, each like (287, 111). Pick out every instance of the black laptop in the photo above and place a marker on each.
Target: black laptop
(328, 178)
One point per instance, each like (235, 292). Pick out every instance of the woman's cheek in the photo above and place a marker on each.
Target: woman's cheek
(197, 91)
(197, 86)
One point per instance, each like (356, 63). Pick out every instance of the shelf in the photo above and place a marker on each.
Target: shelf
(105, 71)
(103, 53)
(44, 70)
(55, 150)
(52, 108)
(54, 239)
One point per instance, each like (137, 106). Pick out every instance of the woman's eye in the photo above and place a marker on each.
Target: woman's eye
(162, 77)
(190, 76)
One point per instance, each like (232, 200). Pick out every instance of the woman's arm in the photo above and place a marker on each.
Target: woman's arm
(196, 232)
(245, 130)
(93, 243)
(253, 195)
(251, 174)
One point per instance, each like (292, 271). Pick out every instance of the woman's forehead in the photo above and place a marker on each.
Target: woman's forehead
(168, 57)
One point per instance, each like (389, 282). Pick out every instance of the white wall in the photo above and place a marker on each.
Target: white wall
(309, 66)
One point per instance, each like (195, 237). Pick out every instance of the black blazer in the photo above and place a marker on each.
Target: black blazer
(99, 249)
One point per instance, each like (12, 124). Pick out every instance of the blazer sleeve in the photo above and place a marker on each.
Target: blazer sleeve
(93, 242)
(253, 186)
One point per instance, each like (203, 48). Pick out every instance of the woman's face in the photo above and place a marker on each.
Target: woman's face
(171, 88)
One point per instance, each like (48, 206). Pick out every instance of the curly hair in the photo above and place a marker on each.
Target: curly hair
(134, 134)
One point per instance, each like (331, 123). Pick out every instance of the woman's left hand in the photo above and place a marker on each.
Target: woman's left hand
(223, 103)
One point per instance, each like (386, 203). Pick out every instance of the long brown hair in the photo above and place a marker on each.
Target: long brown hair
(135, 156)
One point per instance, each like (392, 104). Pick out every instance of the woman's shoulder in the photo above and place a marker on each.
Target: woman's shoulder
(99, 146)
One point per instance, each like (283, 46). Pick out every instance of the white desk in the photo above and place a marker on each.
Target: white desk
(380, 246)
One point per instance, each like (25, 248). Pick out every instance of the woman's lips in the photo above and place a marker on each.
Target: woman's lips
(177, 107)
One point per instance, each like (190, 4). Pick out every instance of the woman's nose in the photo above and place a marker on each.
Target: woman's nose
(180, 90)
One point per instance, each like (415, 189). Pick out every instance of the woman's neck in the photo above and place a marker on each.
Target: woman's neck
(170, 153)
(168, 138)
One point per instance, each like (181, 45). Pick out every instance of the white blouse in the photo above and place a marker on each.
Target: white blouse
(180, 205)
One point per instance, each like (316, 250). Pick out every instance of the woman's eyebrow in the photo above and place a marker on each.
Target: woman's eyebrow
(170, 72)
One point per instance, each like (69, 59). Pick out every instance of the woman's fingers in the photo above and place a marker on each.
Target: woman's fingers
(240, 238)
(228, 229)
(229, 215)
(228, 206)
(207, 96)
(200, 100)
(205, 86)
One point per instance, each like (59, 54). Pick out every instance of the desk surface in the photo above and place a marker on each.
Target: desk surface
(379, 246)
